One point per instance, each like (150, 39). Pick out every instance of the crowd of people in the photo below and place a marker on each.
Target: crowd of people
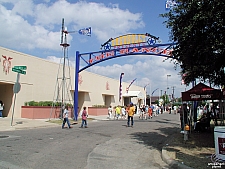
(144, 111)
(205, 114)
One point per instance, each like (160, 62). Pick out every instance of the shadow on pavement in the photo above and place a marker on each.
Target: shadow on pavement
(196, 152)
(155, 139)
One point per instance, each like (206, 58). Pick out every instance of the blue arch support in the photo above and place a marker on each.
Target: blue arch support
(92, 58)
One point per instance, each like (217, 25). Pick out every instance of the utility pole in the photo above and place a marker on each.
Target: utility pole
(173, 92)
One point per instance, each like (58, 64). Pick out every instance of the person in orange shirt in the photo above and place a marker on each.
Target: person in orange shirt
(131, 115)
(149, 112)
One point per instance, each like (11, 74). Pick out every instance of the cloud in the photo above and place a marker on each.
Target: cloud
(60, 60)
(147, 69)
(39, 25)
(33, 26)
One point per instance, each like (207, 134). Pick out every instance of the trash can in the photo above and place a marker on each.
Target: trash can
(219, 137)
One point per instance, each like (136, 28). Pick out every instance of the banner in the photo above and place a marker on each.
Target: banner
(170, 4)
(85, 31)
(120, 89)
(154, 91)
(130, 84)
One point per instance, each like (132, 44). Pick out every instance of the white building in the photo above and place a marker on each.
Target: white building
(40, 84)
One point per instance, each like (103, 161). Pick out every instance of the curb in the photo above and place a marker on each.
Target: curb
(172, 162)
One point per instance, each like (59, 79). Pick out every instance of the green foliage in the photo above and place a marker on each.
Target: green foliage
(100, 106)
(198, 27)
(45, 103)
(165, 99)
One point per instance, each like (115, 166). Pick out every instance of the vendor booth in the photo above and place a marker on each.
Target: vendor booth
(203, 92)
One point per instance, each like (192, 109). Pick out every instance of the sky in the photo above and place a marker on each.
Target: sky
(34, 27)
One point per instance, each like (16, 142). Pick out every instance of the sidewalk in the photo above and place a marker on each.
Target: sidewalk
(24, 123)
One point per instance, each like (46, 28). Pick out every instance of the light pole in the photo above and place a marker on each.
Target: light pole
(146, 94)
(167, 84)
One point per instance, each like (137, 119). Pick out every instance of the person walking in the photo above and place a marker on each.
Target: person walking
(123, 111)
(66, 117)
(131, 112)
(84, 118)
(118, 112)
(146, 112)
(110, 111)
(1, 109)
(150, 112)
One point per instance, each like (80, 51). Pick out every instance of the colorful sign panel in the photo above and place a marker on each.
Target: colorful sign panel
(130, 40)
(131, 51)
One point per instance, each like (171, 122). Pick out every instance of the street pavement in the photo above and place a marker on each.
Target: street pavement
(7, 124)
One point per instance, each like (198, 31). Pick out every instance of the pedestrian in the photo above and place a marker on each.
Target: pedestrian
(123, 110)
(146, 112)
(84, 118)
(118, 112)
(131, 112)
(110, 111)
(66, 117)
(127, 110)
(150, 112)
(175, 109)
(142, 108)
(1, 109)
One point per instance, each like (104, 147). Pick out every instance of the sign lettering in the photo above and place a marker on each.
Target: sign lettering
(140, 50)
(195, 96)
(18, 70)
(21, 67)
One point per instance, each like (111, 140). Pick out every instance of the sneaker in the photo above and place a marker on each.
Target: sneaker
(132, 126)
(70, 127)
(182, 132)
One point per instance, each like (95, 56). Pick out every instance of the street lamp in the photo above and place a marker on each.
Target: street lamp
(146, 94)
(167, 84)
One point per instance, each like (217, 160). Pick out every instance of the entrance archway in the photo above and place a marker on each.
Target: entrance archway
(130, 44)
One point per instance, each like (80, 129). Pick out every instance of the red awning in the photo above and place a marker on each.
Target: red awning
(201, 92)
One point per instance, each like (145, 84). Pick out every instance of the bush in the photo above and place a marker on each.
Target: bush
(45, 103)
(100, 106)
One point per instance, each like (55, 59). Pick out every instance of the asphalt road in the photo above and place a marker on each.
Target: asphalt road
(103, 145)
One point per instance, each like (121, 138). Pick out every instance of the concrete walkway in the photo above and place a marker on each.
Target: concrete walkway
(23, 123)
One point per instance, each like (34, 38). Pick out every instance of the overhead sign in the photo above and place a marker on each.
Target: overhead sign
(131, 51)
(19, 69)
(130, 40)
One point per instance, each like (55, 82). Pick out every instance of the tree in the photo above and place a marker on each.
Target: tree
(165, 99)
(198, 28)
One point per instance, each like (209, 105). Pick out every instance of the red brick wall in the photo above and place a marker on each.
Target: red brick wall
(96, 111)
(41, 112)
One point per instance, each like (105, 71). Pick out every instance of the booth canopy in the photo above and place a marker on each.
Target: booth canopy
(137, 94)
(201, 92)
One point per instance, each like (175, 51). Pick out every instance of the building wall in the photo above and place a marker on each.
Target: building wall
(40, 83)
